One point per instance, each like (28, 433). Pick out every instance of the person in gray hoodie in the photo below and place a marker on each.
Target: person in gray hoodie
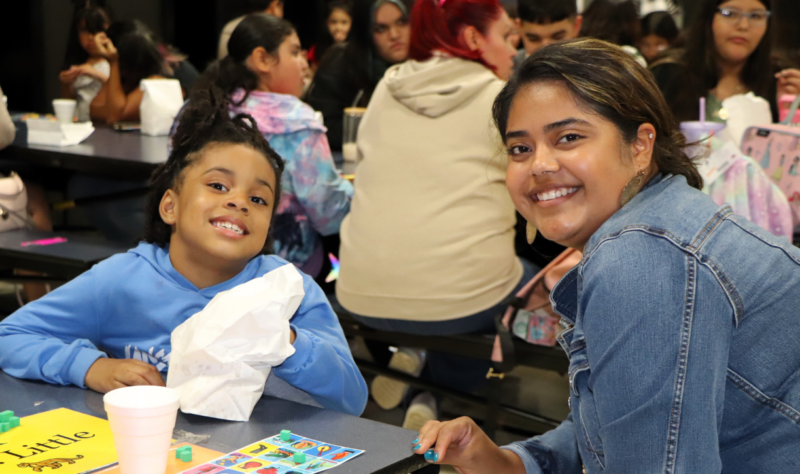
(428, 246)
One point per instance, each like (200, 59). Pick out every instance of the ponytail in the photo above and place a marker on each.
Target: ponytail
(257, 30)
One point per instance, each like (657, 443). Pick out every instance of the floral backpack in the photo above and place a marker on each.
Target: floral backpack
(530, 315)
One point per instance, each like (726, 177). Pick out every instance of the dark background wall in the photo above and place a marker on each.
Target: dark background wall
(34, 37)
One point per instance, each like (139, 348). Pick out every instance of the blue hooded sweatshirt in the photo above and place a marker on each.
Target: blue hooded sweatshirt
(127, 307)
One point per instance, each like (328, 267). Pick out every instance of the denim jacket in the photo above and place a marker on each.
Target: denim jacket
(682, 326)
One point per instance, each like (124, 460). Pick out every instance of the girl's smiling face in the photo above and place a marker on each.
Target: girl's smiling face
(220, 212)
(567, 165)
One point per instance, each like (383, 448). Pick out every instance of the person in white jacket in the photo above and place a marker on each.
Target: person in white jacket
(428, 246)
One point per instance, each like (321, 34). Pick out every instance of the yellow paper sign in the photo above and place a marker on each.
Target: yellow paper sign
(60, 441)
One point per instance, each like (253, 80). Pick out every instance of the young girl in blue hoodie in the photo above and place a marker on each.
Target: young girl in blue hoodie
(208, 230)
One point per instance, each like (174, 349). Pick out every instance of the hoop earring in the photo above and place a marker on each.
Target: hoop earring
(632, 188)
(530, 232)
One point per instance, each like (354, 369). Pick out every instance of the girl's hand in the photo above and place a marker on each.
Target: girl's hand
(69, 76)
(105, 47)
(463, 445)
(788, 82)
(106, 375)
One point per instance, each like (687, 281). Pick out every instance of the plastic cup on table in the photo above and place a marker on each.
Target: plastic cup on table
(142, 419)
(699, 132)
(352, 118)
(65, 109)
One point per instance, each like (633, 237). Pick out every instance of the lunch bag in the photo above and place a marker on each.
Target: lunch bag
(530, 315)
(776, 148)
(13, 203)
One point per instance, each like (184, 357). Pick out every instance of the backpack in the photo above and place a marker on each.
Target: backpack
(776, 148)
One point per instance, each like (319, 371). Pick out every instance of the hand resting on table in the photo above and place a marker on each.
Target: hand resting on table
(109, 374)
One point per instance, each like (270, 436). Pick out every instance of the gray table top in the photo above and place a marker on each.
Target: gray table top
(106, 152)
(67, 259)
(387, 448)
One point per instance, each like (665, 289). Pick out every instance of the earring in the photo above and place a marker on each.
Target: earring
(650, 136)
(530, 232)
(632, 188)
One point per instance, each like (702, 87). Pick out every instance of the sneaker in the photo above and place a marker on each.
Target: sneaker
(388, 393)
(421, 411)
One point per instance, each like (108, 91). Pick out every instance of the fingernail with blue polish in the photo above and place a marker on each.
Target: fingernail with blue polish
(417, 447)
(415, 441)
(431, 456)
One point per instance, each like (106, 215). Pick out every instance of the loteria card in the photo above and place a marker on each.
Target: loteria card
(275, 456)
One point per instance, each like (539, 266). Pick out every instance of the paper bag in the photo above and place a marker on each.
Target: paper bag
(744, 111)
(162, 101)
(221, 356)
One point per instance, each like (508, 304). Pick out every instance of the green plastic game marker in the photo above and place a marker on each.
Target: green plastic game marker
(14, 421)
(286, 435)
(5, 427)
(5, 416)
(299, 458)
(184, 453)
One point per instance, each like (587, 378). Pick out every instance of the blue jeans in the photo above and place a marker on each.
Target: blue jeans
(456, 372)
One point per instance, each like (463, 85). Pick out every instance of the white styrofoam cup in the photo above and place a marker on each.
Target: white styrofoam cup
(142, 419)
(65, 109)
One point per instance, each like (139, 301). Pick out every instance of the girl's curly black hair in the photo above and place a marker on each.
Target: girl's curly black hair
(206, 120)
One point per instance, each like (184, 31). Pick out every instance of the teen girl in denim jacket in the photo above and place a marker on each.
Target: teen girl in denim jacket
(263, 75)
(681, 321)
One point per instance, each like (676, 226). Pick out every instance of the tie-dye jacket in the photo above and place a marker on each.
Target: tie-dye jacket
(315, 198)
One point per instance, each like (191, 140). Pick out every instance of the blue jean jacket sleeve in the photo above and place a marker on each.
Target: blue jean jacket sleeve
(658, 326)
(554, 452)
(324, 195)
(51, 339)
(322, 364)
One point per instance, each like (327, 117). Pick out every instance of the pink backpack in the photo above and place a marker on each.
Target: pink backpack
(532, 318)
(777, 149)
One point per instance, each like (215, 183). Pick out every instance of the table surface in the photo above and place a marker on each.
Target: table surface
(65, 259)
(387, 448)
(106, 152)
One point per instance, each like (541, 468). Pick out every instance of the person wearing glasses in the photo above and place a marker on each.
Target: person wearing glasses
(729, 52)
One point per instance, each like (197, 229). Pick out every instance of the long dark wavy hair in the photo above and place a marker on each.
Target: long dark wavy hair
(96, 17)
(700, 59)
(139, 55)
(610, 82)
(204, 121)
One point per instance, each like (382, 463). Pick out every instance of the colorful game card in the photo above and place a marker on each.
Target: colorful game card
(258, 449)
(342, 455)
(251, 465)
(304, 444)
(231, 459)
(319, 465)
(206, 469)
(322, 449)
(276, 440)
(274, 456)
(277, 454)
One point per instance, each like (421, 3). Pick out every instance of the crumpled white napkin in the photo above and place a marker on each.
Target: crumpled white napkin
(162, 101)
(221, 356)
(47, 132)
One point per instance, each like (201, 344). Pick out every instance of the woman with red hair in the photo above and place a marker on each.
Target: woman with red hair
(428, 246)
